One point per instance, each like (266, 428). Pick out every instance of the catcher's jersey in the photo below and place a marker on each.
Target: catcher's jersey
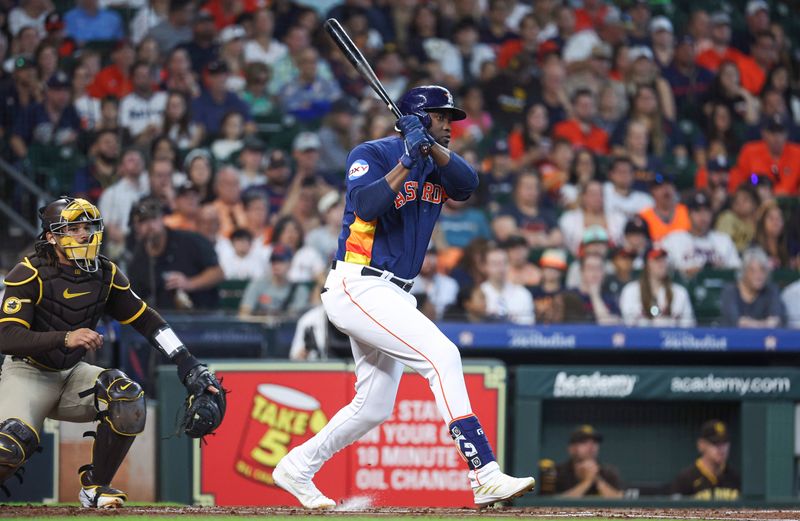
(397, 240)
(43, 298)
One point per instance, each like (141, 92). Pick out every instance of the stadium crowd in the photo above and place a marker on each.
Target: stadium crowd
(639, 160)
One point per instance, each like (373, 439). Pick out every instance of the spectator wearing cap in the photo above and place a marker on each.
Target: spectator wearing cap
(753, 301)
(238, 257)
(186, 209)
(498, 178)
(202, 47)
(228, 201)
(774, 104)
(752, 77)
(310, 95)
(757, 21)
(582, 474)
(231, 51)
(654, 300)
(662, 38)
(505, 300)
(589, 302)
(325, 237)
(29, 13)
(738, 222)
(273, 293)
(581, 130)
(714, 179)
(594, 241)
(251, 163)
(263, 47)
(636, 239)
(176, 28)
(700, 247)
(172, 269)
(216, 101)
(21, 92)
(434, 291)
(114, 79)
(688, 81)
(772, 156)
(306, 155)
(667, 214)
(337, 137)
(644, 73)
(53, 122)
(87, 22)
(619, 197)
(142, 111)
(117, 200)
(547, 298)
(520, 269)
(590, 213)
(91, 180)
(536, 222)
(710, 477)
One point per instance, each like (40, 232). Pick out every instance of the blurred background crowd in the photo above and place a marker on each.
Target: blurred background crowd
(639, 160)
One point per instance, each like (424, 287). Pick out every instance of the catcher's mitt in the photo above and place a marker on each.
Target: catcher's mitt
(203, 409)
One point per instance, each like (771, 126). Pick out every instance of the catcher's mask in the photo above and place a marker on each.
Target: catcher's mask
(69, 219)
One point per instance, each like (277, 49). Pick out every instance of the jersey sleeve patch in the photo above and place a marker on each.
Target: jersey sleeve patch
(357, 169)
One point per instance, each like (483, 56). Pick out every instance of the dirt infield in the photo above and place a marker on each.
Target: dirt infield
(17, 511)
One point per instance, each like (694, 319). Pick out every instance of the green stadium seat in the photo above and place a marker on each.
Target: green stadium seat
(785, 276)
(231, 292)
(53, 167)
(705, 290)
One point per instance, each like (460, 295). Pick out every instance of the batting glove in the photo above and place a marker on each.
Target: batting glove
(413, 143)
(407, 124)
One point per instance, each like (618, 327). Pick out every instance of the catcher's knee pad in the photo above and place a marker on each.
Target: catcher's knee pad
(18, 441)
(124, 399)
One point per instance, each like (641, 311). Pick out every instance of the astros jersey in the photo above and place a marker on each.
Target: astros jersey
(396, 240)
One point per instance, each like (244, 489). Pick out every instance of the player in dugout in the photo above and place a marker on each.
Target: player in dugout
(710, 477)
(53, 301)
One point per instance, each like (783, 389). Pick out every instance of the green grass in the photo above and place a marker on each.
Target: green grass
(300, 517)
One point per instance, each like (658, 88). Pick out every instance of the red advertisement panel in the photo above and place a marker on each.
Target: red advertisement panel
(409, 460)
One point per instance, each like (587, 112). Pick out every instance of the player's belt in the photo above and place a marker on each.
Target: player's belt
(369, 271)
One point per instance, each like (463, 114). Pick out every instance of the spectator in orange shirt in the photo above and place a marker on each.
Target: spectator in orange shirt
(187, 208)
(773, 157)
(115, 80)
(581, 130)
(591, 15)
(527, 43)
(228, 202)
(667, 215)
(721, 49)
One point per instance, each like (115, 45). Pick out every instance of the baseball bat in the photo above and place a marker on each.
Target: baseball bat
(354, 56)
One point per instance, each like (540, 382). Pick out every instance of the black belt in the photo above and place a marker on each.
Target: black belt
(369, 271)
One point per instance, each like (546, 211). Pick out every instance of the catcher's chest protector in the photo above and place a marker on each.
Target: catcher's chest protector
(71, 299)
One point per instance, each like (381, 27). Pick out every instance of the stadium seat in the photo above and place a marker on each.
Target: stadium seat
(785, 276)
(705, 290)
(53, 167)
(231, 292)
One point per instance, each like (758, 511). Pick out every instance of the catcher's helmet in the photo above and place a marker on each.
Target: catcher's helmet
(58, 218)
(429, 98)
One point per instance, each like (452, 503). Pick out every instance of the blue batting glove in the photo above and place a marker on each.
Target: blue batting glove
(413, 143)
(407, 124)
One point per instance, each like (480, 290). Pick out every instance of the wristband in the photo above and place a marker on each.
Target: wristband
(66, 339)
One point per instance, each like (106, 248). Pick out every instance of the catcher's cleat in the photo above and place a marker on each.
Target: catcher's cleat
(489, 485)
(305, 491)
(98, 496)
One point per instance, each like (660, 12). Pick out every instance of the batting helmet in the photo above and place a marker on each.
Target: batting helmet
(429, 98)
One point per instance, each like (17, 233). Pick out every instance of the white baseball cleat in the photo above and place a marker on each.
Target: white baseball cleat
(489, 485)
(305, 491)
(102, 497)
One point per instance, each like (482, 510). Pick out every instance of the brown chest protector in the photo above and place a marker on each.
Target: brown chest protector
(71, 299)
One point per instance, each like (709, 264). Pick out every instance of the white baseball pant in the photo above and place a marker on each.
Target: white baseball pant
(386, 332)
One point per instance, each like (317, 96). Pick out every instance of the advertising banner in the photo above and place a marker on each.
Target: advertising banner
(664, 383)
(409, 460)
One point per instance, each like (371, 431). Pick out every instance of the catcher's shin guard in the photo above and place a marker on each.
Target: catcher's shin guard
(18, 441)
(122, 419)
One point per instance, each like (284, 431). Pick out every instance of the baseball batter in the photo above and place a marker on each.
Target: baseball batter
(53, 301)
(394, 195)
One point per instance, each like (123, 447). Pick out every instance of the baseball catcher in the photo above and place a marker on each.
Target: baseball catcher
(53, 301)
